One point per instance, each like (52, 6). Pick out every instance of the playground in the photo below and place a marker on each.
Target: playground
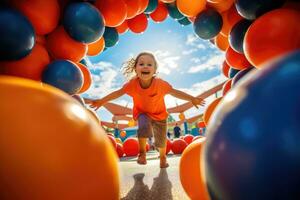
(230, 132)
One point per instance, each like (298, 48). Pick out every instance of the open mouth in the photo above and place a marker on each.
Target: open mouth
(145, 73)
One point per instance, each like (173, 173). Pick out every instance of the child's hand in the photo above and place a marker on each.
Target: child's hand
(198, 101)
(96, 103)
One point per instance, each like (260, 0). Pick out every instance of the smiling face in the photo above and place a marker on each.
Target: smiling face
(145, 67)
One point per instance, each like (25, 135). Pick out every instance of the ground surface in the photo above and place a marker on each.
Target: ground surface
(143, 182)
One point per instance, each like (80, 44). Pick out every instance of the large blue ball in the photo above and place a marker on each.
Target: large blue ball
(251, 9)
(208, 24)
(64, 75)
(173, 11)
(253, 145)
(83, 22)
(16, 35)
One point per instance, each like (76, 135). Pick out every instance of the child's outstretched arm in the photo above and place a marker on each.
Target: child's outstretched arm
(97, 103)
(182, 95)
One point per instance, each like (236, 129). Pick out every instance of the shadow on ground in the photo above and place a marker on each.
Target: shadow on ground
(161, 188)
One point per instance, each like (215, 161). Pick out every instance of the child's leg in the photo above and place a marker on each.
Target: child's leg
(142, 151)
(144, 132)
(160, 136)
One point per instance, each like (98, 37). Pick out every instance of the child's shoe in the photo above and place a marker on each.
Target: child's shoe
(142, 159)
(163, 162)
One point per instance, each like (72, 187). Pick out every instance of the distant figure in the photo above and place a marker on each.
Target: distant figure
(177, 131)
(169, 134)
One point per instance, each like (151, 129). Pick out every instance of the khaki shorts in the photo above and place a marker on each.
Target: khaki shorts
(148, 127)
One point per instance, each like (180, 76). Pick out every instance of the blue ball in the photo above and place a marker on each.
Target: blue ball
(253, 145)
(184, 21)
(16, 35)
(232, 72)
(237, 34)
(240, 75)
(111, 37)
(83, 22)
(64, 75)
(152, 5)
(208, 24)
(255, 8)
(173, 11)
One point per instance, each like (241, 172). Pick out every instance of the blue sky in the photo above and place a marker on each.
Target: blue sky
(187, 62)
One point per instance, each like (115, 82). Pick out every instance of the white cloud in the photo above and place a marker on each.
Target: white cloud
(104, 79)
(166, 63)
(188, 52)
(191, 40)
(210, 64)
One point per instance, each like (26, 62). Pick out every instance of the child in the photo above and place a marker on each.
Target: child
(149, 107)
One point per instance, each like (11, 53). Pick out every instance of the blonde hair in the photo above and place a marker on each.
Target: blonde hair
(128, 67)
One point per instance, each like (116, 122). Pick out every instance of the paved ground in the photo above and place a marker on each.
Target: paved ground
(149, 182)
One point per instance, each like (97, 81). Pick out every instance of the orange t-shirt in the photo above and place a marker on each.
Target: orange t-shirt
(149, 101)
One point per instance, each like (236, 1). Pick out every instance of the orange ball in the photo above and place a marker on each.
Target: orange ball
(191, 170)
(178, 146)
(210, 109)
(96, 47)
(225, 69)
(220, 5)
(51, 148)
(236, 60)
(138, 24)
(191, 8)
(201, 124)
(221, 42)
(113, 11)
(160, 13)
(87, 77)
(30, 67)
(168, 146)
(94, 115)
(120, 150)
(131, 147)
(275, 33)
(123, 134)
(43, 15)
(112, 141)
(226, 87)
(123, 28)
(61, 46)
(133, 7)
(167, 1)
(188, 138)
(230, 18)
(143, 5)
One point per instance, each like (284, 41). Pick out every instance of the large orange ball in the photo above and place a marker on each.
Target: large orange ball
(273, 34)
(61, 46)
(122, 28)
(143, 5)
(51, 147)
(190, 168)
(30, 66)
(225, 69)
(43, 15)
(210, 109)
(113, 11)
(190, 8)
(188, 138)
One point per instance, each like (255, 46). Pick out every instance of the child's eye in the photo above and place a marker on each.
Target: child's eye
(141, 64)
(150, 65)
